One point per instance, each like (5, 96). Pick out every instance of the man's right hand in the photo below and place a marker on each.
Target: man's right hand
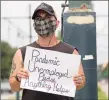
(22, 73)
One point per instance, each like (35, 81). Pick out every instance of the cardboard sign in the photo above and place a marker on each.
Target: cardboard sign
(50, 71)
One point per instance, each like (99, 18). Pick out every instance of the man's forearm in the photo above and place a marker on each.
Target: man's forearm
(15, 85)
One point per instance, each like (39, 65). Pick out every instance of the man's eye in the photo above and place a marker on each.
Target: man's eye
(48, 16)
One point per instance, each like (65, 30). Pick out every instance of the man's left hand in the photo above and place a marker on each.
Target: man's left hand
(79, 81)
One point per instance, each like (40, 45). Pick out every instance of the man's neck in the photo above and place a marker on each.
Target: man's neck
(47, 41)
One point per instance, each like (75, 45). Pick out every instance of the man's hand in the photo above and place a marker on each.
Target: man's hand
(79, 81)
(22, 73)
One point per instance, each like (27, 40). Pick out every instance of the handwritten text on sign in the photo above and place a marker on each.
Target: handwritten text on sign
(50, 71)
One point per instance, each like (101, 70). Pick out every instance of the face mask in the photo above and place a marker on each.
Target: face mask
(44, 27)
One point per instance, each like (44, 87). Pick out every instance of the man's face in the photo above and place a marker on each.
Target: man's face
(45, 23)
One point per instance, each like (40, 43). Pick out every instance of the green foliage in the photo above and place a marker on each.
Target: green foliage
(7, 53)
(105, 72)
(102, 73)
(101, 95)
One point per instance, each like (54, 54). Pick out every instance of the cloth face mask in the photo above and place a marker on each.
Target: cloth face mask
(44, 26)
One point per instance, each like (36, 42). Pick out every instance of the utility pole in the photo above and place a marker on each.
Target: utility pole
(79, 30)
(9, 31)
(30, 36)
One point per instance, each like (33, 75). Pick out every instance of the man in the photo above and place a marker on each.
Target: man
(45, 24)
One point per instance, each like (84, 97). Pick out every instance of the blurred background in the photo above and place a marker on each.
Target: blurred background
(17, 30)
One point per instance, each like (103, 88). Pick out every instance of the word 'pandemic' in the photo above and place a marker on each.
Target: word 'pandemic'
(37, 58)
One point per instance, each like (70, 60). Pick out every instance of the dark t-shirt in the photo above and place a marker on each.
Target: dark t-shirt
(37, 95)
